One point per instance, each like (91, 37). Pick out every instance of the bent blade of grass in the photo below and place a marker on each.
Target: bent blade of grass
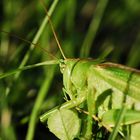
(118, 123)
(34, 41)
(51, 62)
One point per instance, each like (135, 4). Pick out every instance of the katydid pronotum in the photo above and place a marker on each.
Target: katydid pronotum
(111, 86)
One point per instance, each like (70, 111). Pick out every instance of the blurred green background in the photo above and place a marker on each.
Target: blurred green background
(85, 28)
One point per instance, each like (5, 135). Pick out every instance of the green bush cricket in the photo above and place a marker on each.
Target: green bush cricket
(81, 77)
(105, 83)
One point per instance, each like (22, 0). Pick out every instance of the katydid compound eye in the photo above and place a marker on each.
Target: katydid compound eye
(62, 67)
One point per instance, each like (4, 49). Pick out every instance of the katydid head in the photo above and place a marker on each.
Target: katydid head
(67, 65)
(66, 68)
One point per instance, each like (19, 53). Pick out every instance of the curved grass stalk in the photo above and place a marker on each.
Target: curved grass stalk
(51, 62)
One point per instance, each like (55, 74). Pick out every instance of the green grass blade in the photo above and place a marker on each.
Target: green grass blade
(70, 16)
(93, 28)
(110, 117)
(51, 62)
(134, 61)
(41, 95)
(118, 124)
(105, 53)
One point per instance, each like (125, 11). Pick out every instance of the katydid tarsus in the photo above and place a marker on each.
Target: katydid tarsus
(112, 85)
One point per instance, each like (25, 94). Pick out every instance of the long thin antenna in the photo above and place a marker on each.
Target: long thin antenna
(29, 42)
(54, 33)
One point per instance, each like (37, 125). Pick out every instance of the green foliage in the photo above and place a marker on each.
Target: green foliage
(25, 96)
(65, 124)
(110, 117)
